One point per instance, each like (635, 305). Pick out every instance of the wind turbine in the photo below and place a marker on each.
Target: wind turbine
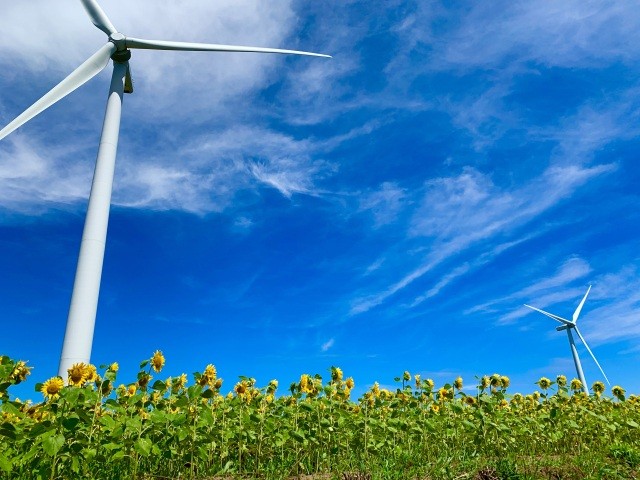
(569, 325)
(78, 336)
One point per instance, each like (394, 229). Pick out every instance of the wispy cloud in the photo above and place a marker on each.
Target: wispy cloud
(459, 212)
(617, 318)
(327, 345)
(572, 269)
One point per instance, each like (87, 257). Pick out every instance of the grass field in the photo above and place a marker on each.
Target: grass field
(96, 427)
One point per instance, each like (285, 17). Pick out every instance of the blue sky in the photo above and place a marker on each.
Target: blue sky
(389, 209)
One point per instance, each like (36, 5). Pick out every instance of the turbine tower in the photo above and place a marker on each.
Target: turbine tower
(78, 337)
(569, 325)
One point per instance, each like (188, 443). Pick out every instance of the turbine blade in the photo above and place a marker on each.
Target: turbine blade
(85, 72)
(98, 17)
(579, 309)
(128, 81)
(207, 47)
(592, 355)
(550, 315)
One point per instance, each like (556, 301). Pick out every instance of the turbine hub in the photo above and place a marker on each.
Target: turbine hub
(119, 40)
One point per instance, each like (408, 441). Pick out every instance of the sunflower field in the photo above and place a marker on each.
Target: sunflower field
(90, 425)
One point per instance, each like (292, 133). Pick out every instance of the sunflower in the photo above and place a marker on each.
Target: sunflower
(157, 361)
(210, 371)
(457, 383)
(561, 380)
(375, 390)
(336, 374)
(114, 367)
(179, 383)
(443, 394)
(598, 388)
(469, 400)
(218, 384)
(406, 376)
(429, 383)
(78, 374)
(20, 372)
(306, 384)
(484, 382)
(505, 381)
(92, 373)
(52, 387)
(143, 380)
(618, 392)
(240, 388)
(544, 383)
(106, 387)
(575, 385)
(131, 389)
(349, 383)
(345, 394)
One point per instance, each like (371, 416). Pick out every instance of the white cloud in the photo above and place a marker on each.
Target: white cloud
(571, 33)
(538, 294)
(617, 318)
(385, 203)
(32, 181)
(327, 345)
(465, 210)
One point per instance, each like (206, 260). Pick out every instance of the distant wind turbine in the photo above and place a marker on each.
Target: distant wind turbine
(78, 337)
(569, 325)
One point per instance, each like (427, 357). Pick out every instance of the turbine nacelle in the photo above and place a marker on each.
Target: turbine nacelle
(564, 327)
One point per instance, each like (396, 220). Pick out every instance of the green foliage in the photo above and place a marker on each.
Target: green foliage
(171, 429)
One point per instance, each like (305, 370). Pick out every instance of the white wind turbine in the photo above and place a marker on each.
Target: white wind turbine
(84, 299)
(569, 325)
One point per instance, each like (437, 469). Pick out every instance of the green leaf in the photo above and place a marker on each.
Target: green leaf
(89, 453)
(631, 423)
(298, 436)
(143, 446)
(158, 385)
(144, 364)
(70, 423)
(118, 455)
(10, 408)
(53, 444)
(8, 430)
(208, 393)
(5, 464)
(108, 422)
(254, 418)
